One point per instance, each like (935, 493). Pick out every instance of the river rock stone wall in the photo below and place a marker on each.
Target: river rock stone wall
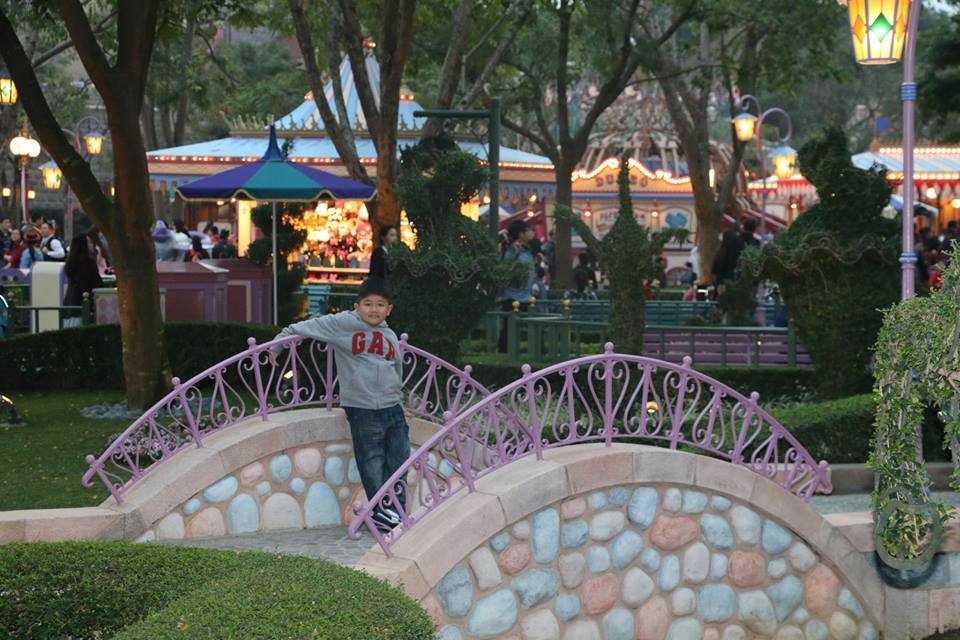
(305, 487)
(649, 563)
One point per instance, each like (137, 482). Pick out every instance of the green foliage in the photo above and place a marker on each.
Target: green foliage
(96, 589)
(916, 363)
(89, 357)
(836, 266)
(627, 253)
(837, 431)
(291, 304)
(442, 287)
(738, 300)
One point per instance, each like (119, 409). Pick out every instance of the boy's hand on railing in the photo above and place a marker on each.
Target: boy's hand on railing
(272, 357)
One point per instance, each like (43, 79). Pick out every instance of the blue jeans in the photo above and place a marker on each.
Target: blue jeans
(381, 444)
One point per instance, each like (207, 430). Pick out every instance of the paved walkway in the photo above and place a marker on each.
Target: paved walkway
(328, 543)
(332, 543)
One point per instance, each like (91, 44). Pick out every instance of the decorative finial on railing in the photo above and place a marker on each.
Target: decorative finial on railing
(754, 396)
(687, 362)
(403, 337)
(516, 305)
(251, 341)
(175, 381)
(608, 347)
(525, 370)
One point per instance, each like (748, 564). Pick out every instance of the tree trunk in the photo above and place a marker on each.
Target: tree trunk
(145, 364)
(563, 170)
(395, 37)
(125, 223)
(452, 66)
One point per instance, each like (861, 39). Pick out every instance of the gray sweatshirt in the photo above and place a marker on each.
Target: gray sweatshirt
(368, 358)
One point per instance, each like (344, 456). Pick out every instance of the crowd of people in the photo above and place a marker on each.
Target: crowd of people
(85, 261)
(183, 245)
(38, 241)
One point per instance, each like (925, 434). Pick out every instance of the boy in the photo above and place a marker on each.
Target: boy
(370, 371)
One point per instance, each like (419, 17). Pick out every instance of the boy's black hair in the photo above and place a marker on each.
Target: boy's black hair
(373, 286)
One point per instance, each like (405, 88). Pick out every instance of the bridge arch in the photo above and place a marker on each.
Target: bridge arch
(248, 386)
(602, 398)
(625, 541)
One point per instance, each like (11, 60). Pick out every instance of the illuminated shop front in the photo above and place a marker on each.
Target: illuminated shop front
(339, 239)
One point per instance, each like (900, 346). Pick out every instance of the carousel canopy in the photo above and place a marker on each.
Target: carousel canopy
(305, 139)
(273, 178)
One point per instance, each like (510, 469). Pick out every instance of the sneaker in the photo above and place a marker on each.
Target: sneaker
(385, 520)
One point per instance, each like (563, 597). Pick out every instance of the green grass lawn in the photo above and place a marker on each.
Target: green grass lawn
(41, 462)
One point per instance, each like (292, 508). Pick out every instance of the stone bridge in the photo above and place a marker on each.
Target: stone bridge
(567, 504)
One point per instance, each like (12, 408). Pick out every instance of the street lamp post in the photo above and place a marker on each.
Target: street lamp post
(879, 38)
(747, 126)
(25, 148)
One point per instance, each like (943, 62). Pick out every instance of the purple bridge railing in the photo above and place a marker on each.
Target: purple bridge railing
(602, 398)
(248, 385)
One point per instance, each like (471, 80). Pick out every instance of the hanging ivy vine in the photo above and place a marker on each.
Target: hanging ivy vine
(916, 364)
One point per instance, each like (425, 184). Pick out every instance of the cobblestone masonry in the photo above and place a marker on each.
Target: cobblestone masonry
(306, 487)
(637, 562)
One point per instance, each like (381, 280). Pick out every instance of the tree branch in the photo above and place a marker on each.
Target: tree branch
(52, 53)
(137, 33)
(88, 49)
(497, 55)
(219, 62)
(452, 64)
(46, 125)
(563, 56)
(353, 40)
(339, 132)
(545, 147)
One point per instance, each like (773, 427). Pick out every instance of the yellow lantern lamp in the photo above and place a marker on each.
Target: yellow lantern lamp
(784, 160)
(745, 126)
(8, 90)
(879, 29)
(52, 177)
(94, 142)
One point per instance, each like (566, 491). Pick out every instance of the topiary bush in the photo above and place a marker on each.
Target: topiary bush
(90, 357)
(628, 254)
(442, 287)
(118, 590)
(836, 265)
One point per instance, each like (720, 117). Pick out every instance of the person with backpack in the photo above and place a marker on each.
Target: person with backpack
(223, 249)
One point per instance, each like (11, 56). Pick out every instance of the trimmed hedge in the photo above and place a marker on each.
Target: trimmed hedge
(841, 431)
(89, 357)
(492, 372)
(98, 589)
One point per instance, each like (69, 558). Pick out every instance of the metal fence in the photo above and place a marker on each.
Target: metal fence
(545, 337)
